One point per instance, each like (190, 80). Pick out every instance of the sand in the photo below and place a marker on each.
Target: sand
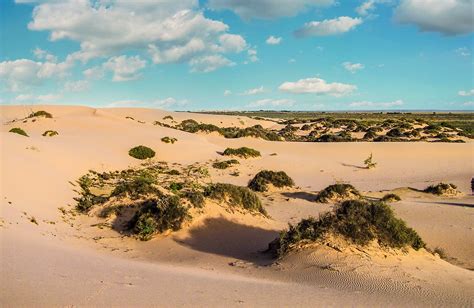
(216, 261)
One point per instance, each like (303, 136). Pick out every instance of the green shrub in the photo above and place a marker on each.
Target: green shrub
(395, 132)
(195, 197)
(235, 196)
(337, 192)
(243, 152)
(175, 187)
(370, 135)
(263, 178)
(168, 117)
(50, 133)
(357, 221)
(157, 216)
(40, 113)
(87, 199)
(442, 189)
(391, 198)
(135, 187)
(18, 131)
(141, 152)
(225, 164)
(169, 140)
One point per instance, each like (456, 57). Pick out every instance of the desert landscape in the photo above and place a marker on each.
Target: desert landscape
(135, 206)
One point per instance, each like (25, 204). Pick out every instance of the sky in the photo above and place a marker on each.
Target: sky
(239, 54)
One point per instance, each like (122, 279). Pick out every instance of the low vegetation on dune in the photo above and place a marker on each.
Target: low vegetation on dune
(168, 117)
(369, 162)
(391, 198)
(337, 192)
(243, 152)
(225, 164)
(50, 133)
(234, 195)
(169, 140)
(40, 113)
(442, 189)
(18, 131)
(141, 152)
(262, 179)
(359, 222)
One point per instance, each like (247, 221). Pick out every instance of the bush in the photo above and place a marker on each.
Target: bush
(395, 132)
(391, 198)
(18, 131)
(168, 117)
(175, 187)
(136, 187)
(169, 140)
(87, 199)
(50, 133)
(337, 192)
(370, 135)
(235, 196)
(357, 221)
(157, 216)
(243, 152)
(40, 113)
(225, 164)
(141, 152)
(263, 178)
(195, 197)
(442, 189)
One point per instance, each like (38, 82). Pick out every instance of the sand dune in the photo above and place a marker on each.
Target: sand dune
(216, 261)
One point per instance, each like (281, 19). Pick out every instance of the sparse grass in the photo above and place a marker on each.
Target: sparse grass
(135, 187)
(225, 164)
(169, 140)
(391, 198)
(265, 177)
(18, 131)
(141, 152)
(357, 221)
(195, 197)
(440, 252)
(50, 133)
(243, 152)
(442, 189)
(337, 192)
(369, 163)
(40, 113)
(235, 196)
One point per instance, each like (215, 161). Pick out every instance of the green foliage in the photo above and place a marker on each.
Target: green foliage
(195, 197)
(369, 163)
(337, 192)
(243, 152)
(87, 199)
(441, 189)
(136, 187)
(235, 196)
(169, 140)
(50, 133)
(391, 198)
(357, 221)
(141, 152)
(263, 178)
(175, 187)
(225, 164)
(18, 131)
(40, 113)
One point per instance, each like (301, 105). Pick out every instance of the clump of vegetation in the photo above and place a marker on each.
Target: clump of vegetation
(141, 152)
(337, 192)
(168, 117)
(243, 152)
(442, 189)
(369, 163)
(262, 179)
(87, 199)
(195, 197)
(18, 131)
(135, 187)
(235, 196)
(169, 140)
(158, 215)
(176, 186)
(50, 133)
(357, 221)
(225, 164)
(40, 113)
(391, 198)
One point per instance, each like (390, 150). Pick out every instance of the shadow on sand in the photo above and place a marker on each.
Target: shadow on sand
(227, 238)
(301, 195)
(353, 166)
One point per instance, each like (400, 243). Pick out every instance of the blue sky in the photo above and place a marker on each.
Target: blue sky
(239, 54)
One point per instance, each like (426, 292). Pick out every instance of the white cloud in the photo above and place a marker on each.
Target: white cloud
(471, 103)
(44, 55)
(77, 86)
(450, 17)
(165, 103)
(24, 97)
(352, 67)
(317, 86)
(125, 68)
(96, 72)
(209, 63)
(272, 40)
(365, 8)
(466, 93)
(254, 91)
(232, 43)
(38, 99)
(328, 27)
(370, 105)
(227, 92)
(271, 102)
(463, 51)
(252, 53)
(267, 9)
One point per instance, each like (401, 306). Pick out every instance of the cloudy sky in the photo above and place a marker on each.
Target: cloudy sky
(239, 54)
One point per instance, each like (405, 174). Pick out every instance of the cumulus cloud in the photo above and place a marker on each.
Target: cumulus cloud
(328, 27)
(450, 17)
(370, 105)
(269, 102)
(254, 91)
(272, 40)
(210, 63)
(267, 9)
(366, 7)
(170, 31)
(317, 86)
(352, 67)
(95, 72)
(466, 93)
(252, 53)
(44, 55)
(471, 103)
(125, 68)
